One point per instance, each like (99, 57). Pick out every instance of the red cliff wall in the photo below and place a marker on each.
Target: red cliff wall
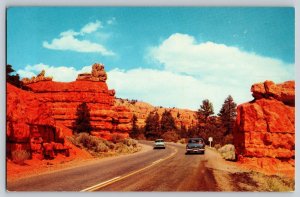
(30, 126)
(38, 120)
(264, 133)
(64, 98)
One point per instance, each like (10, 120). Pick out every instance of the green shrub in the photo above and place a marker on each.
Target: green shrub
(19, 156)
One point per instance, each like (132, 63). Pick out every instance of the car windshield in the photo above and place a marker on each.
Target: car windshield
(159, 140)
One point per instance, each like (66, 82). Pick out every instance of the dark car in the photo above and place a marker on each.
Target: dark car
(195, 145)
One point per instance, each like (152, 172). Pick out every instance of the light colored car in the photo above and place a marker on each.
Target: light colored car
(159, 143)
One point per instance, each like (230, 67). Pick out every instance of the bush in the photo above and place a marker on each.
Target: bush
(130, 142)
(96, 146)
(91, 143)
(170, 136)
(19, 156)
(116, 138)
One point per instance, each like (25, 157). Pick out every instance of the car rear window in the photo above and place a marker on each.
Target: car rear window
(196, 141)
(159, 141)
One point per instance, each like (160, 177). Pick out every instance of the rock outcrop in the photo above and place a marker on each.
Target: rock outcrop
(39, 77)
(98, 74)
(264, 133)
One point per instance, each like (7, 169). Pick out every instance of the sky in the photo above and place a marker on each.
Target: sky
(166, 56)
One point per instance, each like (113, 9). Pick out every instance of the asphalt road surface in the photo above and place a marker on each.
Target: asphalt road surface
(151, 170)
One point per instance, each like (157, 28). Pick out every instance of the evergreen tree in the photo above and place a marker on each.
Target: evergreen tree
(167, 122)
(228, 114)
(152, 127)
(205, 110)
(135, 129)
(12, 79)
(82, 122)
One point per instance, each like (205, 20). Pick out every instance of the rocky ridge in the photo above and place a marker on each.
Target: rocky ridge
(183, 117)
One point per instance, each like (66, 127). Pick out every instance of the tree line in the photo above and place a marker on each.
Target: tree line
(218, 126)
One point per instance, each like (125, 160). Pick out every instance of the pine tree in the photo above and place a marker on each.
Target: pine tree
(135, 129)
(12, 79)
(205, 110)
(167, 122)
(152, 126)
(82, 122)
(228, 114)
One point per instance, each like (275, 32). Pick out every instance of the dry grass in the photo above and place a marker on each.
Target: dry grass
(99, 147)
(273, 182)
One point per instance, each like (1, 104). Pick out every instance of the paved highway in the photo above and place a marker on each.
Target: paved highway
(150, 170)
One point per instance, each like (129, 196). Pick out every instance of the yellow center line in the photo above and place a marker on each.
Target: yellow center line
(108, 182)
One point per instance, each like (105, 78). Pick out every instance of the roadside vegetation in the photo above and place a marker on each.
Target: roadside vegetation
(256, 181)
(100, 147)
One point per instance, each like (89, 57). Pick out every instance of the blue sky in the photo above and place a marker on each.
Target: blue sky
(164, 56)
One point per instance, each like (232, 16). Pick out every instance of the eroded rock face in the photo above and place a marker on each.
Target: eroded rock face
(284, 92)
(39, 77)
(38, 120)
(30, 126)
(265, 128)
(63, 98)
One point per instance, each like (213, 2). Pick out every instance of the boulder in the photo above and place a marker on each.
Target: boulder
(228, 152)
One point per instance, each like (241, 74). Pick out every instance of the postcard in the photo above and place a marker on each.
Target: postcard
(150, 99)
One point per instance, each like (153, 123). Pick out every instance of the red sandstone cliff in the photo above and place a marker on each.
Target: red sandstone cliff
(47, 112)
(264, 134)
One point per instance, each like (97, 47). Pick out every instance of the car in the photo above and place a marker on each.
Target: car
(159, 143)
(195, 145)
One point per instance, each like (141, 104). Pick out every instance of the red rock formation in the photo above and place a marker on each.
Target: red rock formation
(30, 125)
(38, 120)
(183, 117)
(63, 99)
(264, 133)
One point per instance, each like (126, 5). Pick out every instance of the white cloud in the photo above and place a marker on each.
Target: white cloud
(168, 89)
(111, 21)
(61, 73)
(195, 71)
(91, 27)
(68, 40)
(211, 61)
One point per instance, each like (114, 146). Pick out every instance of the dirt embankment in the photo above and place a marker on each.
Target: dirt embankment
(233, 176)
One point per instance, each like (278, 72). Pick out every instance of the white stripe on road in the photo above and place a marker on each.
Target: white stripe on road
(157, 161)
(99, 185)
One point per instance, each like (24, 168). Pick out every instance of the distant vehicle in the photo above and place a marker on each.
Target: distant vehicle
(195, 145)
(159, 143)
